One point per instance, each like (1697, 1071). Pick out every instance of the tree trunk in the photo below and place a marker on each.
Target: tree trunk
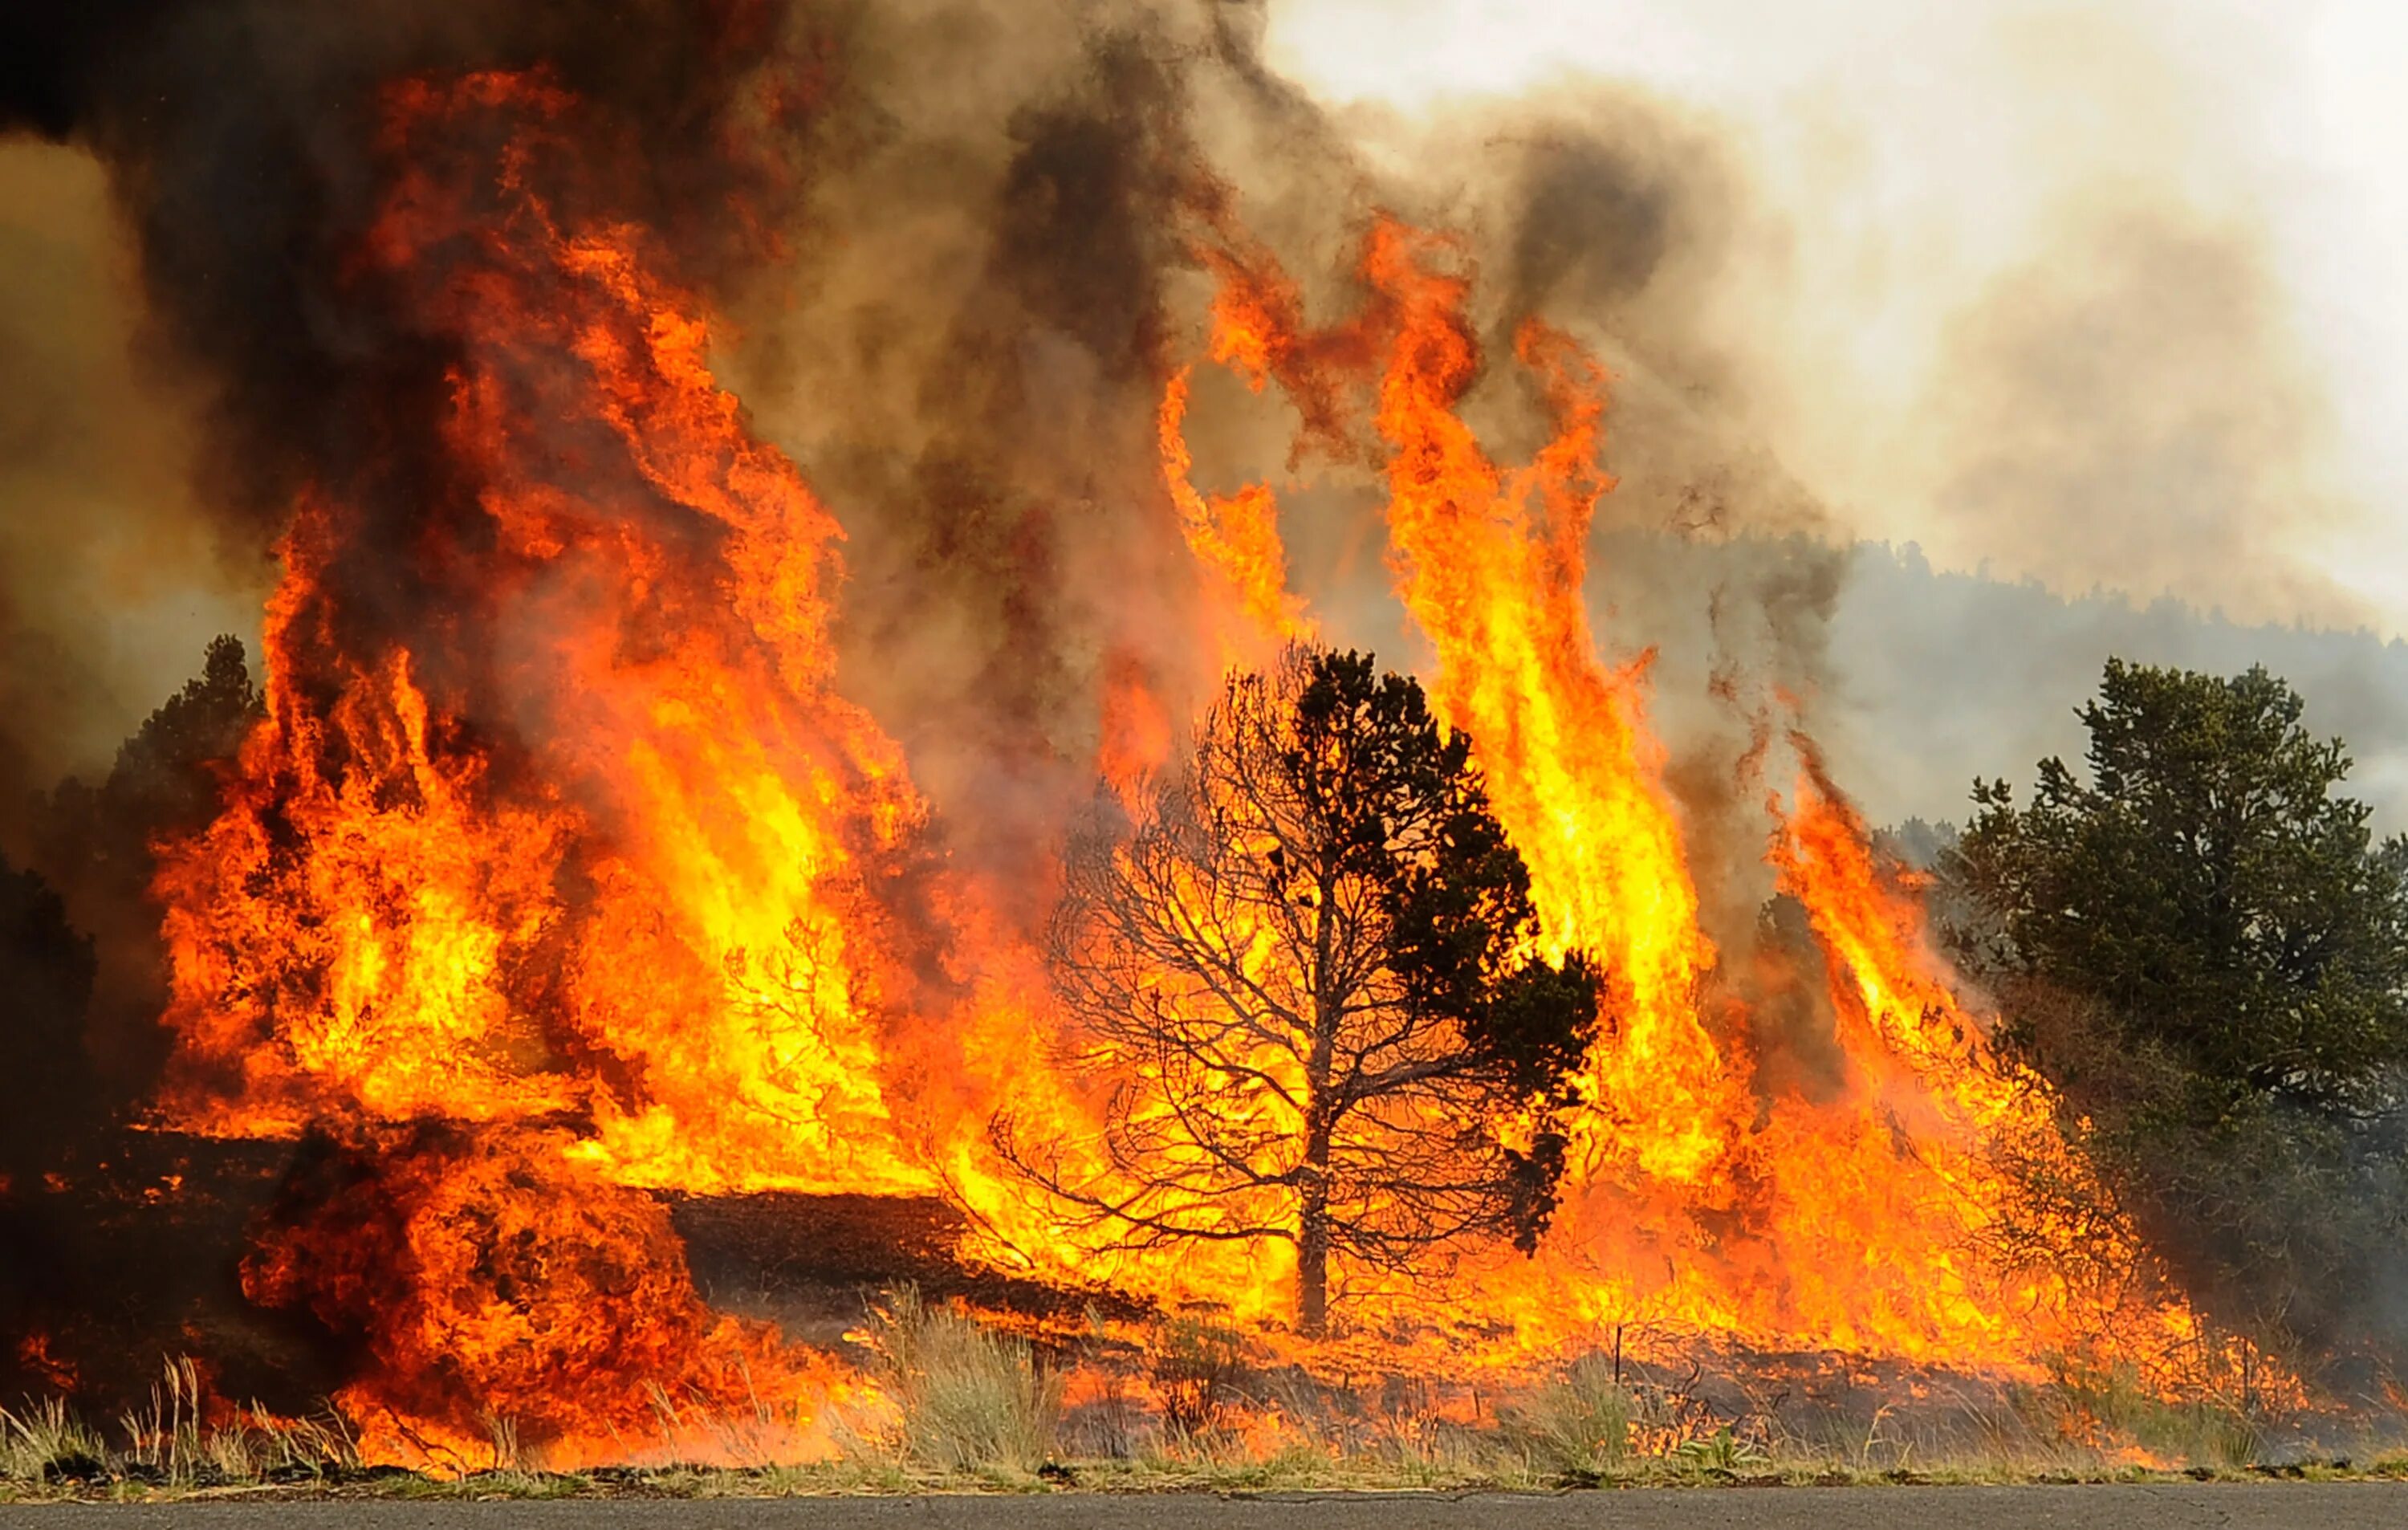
(1313, 1215)
(1312, 1247)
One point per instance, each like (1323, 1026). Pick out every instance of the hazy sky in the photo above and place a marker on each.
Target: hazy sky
(110, 583)
(1920, 167)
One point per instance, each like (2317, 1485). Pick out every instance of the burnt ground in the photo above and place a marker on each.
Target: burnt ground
(2284, 1506)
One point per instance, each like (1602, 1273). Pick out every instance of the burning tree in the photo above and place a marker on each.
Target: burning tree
(1309, 971)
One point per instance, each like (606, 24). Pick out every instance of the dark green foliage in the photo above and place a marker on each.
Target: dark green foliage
(2204, 947)
(1917, 844)
(164, 780)
(2208, 889)
(1327, 809)
(1370, 758)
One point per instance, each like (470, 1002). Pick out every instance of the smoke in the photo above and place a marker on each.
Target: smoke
(1620, 215)
(182, 343)
(980, 271)
(976, 209)
(953, 243)
(969, 374)
(111, 579)
(2130, 401)
(960, 264)
(954, 250)
(2030, 285)
(953, 246)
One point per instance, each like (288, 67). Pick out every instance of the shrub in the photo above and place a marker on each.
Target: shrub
(967, 1399)
(1579, 1426)
(1196, 1371)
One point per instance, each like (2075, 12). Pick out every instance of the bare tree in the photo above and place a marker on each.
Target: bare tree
(1306, 969)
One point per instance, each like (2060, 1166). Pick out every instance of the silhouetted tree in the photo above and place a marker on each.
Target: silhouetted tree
(46, 972)
(164, 780)
(94, 844)
(1306, 970)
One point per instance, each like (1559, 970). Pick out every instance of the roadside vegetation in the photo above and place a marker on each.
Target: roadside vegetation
(1186, 1406)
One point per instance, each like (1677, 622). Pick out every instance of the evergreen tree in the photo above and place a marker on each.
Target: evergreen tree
(2204, 947)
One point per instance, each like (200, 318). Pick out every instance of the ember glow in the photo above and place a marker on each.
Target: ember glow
(563, 875)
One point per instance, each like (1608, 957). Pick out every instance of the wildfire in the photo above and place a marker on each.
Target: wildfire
(1491, 566)
(1868, 1221)
(1236, 543)
(582, 835)
(559, 872)
(598, 837)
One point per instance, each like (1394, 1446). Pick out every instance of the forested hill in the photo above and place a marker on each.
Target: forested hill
(1924, 679)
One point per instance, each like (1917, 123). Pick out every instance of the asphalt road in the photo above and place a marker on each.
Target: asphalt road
(2273, 1505)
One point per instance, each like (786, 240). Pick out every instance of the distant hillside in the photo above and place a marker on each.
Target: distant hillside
(1922, 680)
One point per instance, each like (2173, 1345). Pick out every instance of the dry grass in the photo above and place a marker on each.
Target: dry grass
(970, 1410)
(2205, 1431)
(46, 1443)
(1578, 1424)
(966, 1399)
(172, 1443)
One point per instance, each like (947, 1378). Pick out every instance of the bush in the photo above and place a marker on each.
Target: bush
(1579, 1426)
(1196, 1371)
(967, 1399)
(2202, 945)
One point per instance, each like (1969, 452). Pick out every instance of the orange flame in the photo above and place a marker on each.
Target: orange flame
(634, 896)
(660, 599)
(1495, 580)
(1236, 543)
(475, 1270)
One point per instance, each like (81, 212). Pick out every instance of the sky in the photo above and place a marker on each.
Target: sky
(1919, 167)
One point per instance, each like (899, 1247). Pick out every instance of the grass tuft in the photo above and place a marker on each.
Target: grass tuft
(967, 1400)
(48, 1443)
(2110, 1403)
(1579, 1426)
